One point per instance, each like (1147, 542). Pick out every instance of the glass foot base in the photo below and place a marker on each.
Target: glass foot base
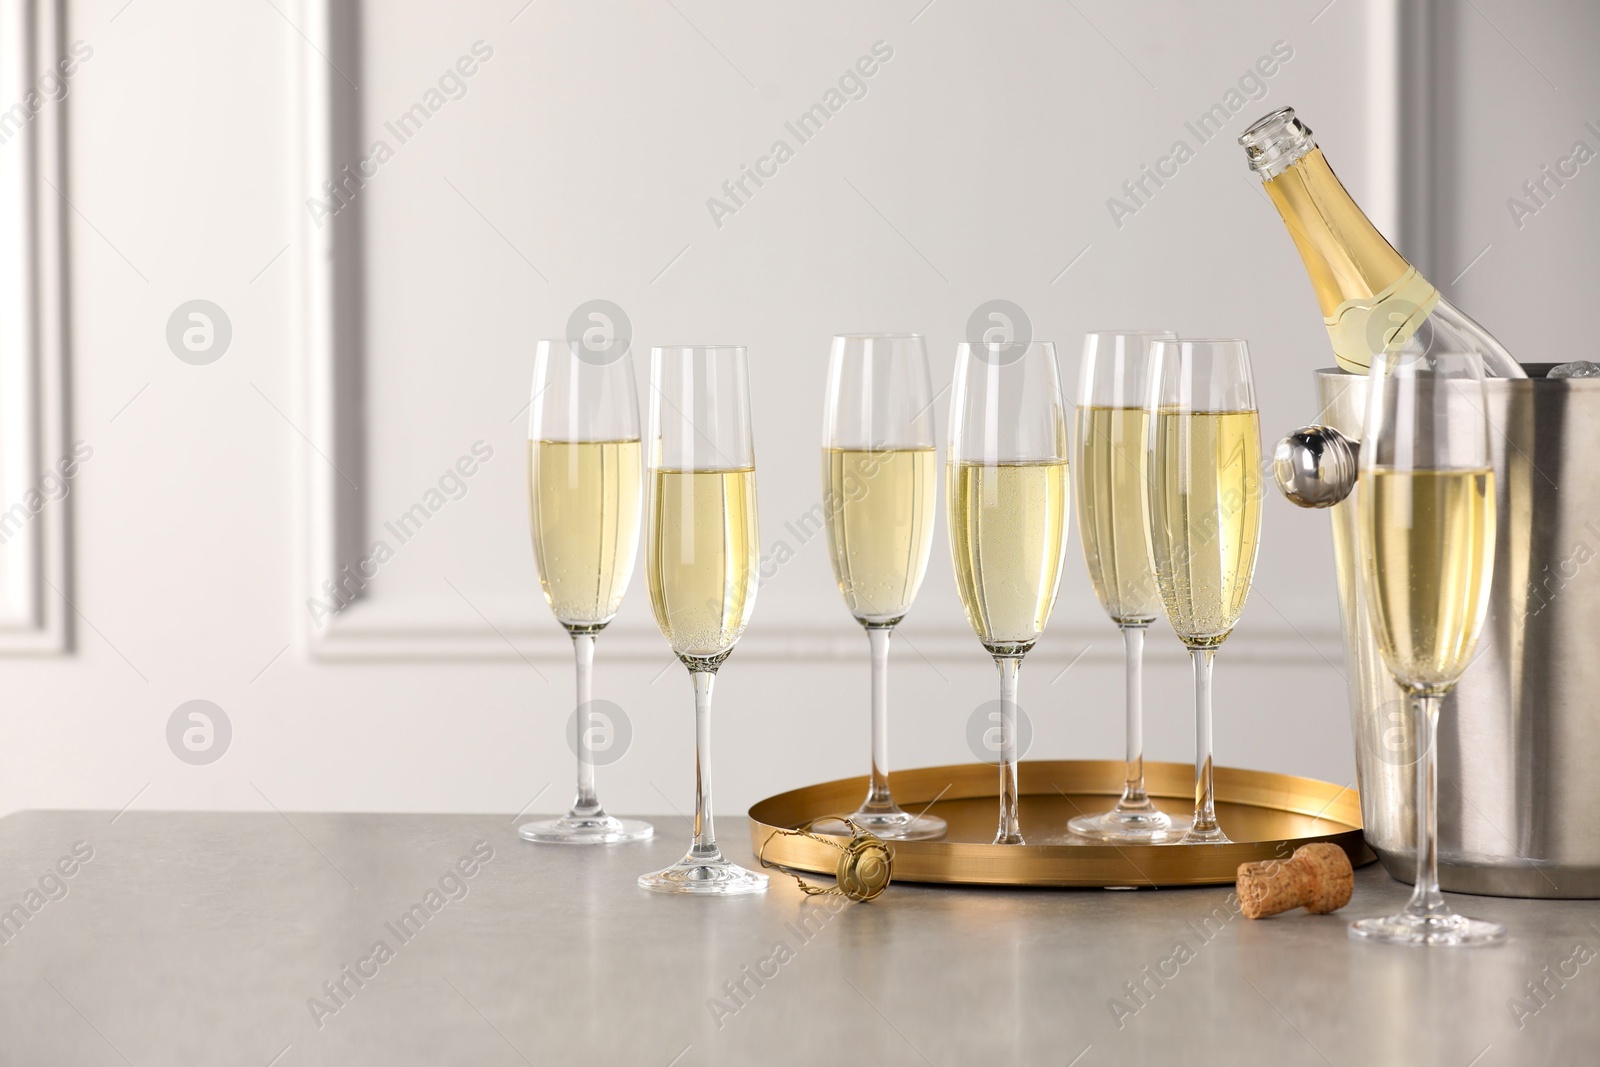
(1116, 827)
(1408, 929)
(1213, 836)
(895, 825)
(576, 830)
(712, 876)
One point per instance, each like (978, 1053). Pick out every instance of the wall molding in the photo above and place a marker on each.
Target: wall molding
(1402, 69)
(327, 280)
(34, 558)
(329, 271)
(363, 634)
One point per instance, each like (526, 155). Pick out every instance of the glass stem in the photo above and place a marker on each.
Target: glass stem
(1425, 897)
(587, 804)
(1010, 832)
(705, 833)
(1205, 811)
(1133, 794)
(878, 798)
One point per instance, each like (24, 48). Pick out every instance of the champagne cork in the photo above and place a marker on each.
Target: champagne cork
(1317, 877)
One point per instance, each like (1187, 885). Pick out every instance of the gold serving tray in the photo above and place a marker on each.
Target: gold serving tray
(1267, 815)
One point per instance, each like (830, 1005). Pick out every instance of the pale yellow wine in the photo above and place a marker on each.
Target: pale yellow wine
(1008, 525)
(1428, 542)
(1205, 518)
(704, 548)
(880, 526)
(1109, 481)
(584, 500)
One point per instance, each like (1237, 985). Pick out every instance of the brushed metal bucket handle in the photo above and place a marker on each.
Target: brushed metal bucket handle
(1315, 466)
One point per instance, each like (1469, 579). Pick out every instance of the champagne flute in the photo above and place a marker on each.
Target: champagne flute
(879, 488)
(1427, 533)
(703, 552)
(1108, 463)
(583, 502)
(1203, 504)
(1007, 494)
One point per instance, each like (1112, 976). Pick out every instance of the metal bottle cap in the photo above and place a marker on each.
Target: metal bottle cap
(865, 865)
(864, 868)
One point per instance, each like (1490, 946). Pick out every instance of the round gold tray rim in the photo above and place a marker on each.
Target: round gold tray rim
(1062, 865)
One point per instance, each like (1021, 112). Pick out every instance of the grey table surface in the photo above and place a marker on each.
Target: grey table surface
(189, 938)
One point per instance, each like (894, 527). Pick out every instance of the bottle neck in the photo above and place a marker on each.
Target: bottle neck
(1354, 271)
(1346, 256)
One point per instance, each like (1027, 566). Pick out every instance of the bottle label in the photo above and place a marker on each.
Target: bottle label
(1383, 322)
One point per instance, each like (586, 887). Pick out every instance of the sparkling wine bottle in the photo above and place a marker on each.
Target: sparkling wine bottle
(1372, 300)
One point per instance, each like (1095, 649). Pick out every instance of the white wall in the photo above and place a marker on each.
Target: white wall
(978, 165)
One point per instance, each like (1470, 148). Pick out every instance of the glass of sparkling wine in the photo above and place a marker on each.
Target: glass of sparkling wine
(879, 483)
(1007, 491)
(583, 502)
(1203, 504)
(1426, 514)
(1108, 461)
(702, 555)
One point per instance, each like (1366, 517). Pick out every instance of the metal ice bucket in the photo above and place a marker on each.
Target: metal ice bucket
(1519, 737)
